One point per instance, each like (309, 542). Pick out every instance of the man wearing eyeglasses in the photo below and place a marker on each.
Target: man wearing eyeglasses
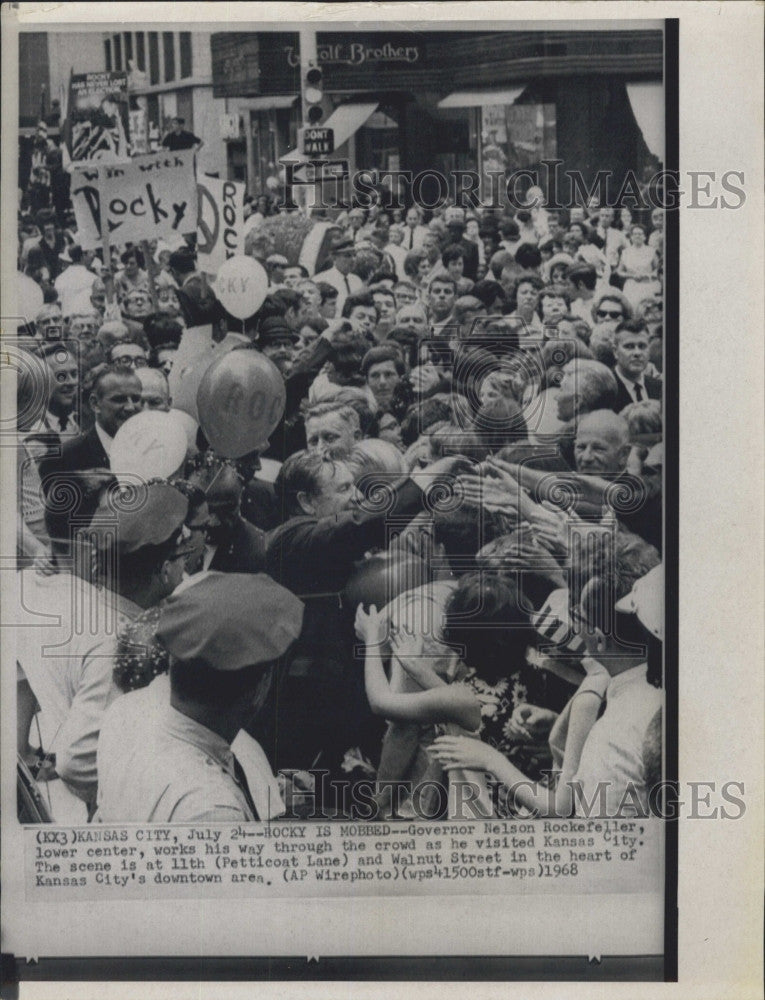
(128, 355)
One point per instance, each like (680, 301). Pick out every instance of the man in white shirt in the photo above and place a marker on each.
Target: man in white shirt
(74, 280)
(414, 231)
(339, 276)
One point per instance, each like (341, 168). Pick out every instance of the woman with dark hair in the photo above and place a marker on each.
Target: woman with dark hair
(484, 684)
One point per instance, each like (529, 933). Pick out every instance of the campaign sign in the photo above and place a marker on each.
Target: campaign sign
(220, 224)
(150, 197)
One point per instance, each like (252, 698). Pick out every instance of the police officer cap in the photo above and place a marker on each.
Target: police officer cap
(228, 621)
(134, 517)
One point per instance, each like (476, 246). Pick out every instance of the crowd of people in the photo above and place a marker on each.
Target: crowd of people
(440, 577)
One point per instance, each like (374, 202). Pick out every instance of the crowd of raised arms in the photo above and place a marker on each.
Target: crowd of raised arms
(438, 580)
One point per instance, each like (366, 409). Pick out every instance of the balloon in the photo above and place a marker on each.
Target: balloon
(152, 445)
(240, 401)
(30, 297)
(241, 286)
(381, 578)
(191, 427)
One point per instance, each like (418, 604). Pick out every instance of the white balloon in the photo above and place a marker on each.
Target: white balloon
(241, 286)
(151, 445)
(191, 427)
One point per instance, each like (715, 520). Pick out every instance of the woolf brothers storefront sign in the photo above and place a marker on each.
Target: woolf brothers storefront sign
(351, 53)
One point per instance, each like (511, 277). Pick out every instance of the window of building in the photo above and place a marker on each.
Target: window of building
(518, 136)
(140, 50)
(185, 47)
(168, 47)
(108, 54)
(128, 48)
(153, 57)
(117, 52)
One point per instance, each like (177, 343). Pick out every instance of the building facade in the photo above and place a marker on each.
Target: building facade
(449, 100)
(171, 75)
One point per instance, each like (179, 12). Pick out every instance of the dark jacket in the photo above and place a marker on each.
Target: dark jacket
(314, 558)
(245, 551)
(652, 391)
(68, 496)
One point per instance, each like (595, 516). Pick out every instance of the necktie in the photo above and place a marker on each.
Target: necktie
(347, 286)
(638, 392)
(241, 780)
(411, 237)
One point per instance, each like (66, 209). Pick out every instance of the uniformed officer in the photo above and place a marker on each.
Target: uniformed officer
(165, 754)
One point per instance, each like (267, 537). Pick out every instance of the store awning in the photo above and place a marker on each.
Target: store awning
(345, 120)
(647, 100)
(481, 98)
(266, 103)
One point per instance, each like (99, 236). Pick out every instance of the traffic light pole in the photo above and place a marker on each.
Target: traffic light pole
(308, 57)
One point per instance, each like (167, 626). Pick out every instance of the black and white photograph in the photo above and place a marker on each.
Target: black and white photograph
(342, 536)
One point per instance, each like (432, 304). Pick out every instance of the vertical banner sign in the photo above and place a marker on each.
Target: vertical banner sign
(220, 222)
(98, 117)
(147, 198)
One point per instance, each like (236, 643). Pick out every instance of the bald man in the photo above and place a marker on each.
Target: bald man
(602, 444)
(601, 448)
(155, 392)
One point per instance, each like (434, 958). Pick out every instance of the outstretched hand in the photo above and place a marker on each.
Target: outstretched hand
(369, 625)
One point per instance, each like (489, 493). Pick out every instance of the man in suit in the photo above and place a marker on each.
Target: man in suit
(115, 397)
(232, 544)
(631, 346)
(321, 704)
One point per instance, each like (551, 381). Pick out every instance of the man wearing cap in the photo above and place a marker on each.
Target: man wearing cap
(165, 751)
(339, 275)
(275, 265)
(140, 550)
(178, 138)
(277, 341)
